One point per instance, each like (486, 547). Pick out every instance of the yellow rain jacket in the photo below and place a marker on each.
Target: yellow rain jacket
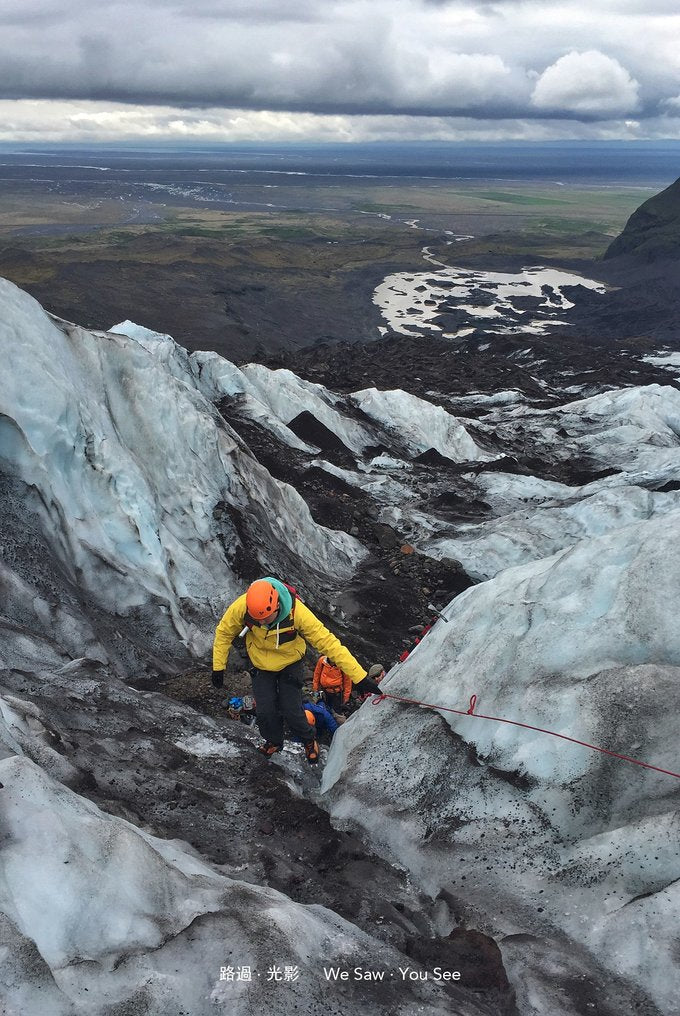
(276, 648)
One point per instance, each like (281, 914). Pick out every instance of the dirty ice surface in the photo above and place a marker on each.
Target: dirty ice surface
(632, 433)
(98, 916)
(543, 837)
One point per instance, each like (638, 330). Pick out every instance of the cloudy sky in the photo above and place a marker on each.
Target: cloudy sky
(338, 69)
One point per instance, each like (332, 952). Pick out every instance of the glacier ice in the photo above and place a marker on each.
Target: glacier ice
(134, 474)
(541, 836)
(634, 430)
(126, 498)
(420, 423)
(538, 531)
(276, 397)
(634, 433)
(96, 914)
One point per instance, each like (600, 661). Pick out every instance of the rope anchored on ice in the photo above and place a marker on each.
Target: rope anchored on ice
(527, 726)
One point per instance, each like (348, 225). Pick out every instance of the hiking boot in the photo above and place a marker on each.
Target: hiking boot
(268, 749)
(312, 752)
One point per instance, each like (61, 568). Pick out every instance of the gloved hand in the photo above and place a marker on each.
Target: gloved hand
(368, 687)
(218, 678)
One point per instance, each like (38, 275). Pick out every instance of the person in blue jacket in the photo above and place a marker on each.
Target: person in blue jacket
(320, 717)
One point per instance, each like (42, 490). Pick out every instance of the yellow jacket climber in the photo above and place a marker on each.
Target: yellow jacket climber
(276, 624)
(275, 647)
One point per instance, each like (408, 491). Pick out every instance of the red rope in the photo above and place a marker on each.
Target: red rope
(527, 726)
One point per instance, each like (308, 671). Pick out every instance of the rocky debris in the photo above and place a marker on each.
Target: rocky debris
(458, 507)
(478, 959)
(314, 432)
(384, 602)
(585, 355)
(194, 686)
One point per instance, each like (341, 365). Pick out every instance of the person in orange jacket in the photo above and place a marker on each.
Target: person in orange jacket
(336, 686)
(276, 624)
(333, 682)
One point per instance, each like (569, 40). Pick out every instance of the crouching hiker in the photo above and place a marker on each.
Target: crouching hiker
(320, 717)
(276, 624)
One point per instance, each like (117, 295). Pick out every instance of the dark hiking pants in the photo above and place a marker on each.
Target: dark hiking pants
(278, 697)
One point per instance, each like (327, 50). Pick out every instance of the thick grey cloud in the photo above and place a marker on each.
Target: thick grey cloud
(87, 121)
(505, 59)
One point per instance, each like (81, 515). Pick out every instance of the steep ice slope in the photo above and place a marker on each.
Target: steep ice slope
(543, 837)
(137, 488)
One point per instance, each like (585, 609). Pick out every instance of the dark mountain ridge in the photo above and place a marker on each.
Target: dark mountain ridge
(652, 233)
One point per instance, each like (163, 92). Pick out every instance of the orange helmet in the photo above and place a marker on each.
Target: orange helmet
(311, 718)
(262, 601)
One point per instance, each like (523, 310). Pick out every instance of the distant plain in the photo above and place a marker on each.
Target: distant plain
(250, 250)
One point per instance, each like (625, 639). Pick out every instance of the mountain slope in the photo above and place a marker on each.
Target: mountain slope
(652, 233)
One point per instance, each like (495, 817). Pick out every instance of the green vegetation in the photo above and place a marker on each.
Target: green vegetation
(228, 277)
(216, 234)
(117, 236)
(384, 209)
(568, 226)
(290, 232)
(530, 200)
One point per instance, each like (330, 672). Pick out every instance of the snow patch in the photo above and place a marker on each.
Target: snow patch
(206, 747)
(407, 299)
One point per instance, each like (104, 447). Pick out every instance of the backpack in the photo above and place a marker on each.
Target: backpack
(331, 680)
(294, 596)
